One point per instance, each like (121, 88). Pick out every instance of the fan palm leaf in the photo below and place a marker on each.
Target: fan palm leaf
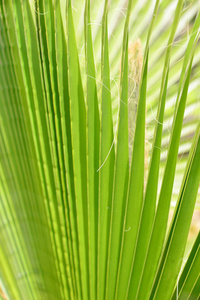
(99, 139)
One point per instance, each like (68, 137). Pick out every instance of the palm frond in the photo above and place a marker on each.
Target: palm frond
(84, 207)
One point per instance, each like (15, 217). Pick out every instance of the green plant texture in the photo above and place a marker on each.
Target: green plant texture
(99, 144)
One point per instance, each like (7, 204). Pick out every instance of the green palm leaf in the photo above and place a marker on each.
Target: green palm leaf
(95, 152)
